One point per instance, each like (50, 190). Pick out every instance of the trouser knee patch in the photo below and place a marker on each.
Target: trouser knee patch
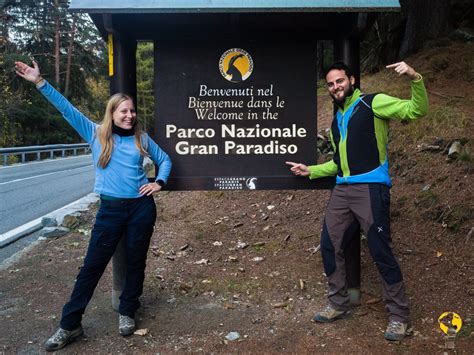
(327, 251)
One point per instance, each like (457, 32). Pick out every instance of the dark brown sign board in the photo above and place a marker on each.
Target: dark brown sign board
(230, 114)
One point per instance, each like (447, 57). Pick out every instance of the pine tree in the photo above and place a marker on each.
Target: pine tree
(71, 56)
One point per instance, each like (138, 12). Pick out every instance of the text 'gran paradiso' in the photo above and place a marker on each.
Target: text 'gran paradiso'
(229, 132)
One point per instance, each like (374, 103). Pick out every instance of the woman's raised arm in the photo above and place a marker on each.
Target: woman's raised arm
(83, 125)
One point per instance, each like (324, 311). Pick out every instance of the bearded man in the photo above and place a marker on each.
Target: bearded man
(359, 136)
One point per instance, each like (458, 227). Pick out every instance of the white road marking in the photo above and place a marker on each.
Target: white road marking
(41, 175)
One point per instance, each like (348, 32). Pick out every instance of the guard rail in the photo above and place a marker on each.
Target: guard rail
(36, 150)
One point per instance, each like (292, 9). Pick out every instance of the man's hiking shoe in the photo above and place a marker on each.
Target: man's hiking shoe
(62, 337)
(329, 314)
(126, 325)
(396, 330)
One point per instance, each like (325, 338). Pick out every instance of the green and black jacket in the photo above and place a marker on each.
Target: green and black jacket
(359, 135)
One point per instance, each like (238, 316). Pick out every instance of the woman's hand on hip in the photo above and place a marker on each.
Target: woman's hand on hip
(149, 188)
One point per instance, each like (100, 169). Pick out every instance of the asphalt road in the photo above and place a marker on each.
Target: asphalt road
(29, 191)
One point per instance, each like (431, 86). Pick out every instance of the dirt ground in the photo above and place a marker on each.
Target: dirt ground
(245, 262)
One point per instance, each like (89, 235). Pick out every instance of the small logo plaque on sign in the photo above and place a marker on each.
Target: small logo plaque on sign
(236, 65)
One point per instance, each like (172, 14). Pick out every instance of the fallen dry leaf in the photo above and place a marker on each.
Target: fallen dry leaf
(229, 305)
(302, 285)
(314, 250)
(241, 245)
(141, 332)
(202, 262)
(185, 286)
(373, 301)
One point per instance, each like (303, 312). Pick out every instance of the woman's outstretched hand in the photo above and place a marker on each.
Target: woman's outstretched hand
(27, 72)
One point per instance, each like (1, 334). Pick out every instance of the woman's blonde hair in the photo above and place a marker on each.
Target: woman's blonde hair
(104, 132)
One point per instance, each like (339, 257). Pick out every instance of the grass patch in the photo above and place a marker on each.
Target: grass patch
(466, 153)
(386, 82)
(447, 121)
(465, 156)
(398, 206)
(439, 63)
(442, 178)
(467, 328)
(229, 286)
(426, 199)
(198, 232)
(214, 194)
(457, 216)
(402, 200)
(12, 159)
(322, 90)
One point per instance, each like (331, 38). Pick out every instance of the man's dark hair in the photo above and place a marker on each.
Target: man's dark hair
(339, 66)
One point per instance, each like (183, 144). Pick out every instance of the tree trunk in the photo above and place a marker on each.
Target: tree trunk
(57, 43)
(426, 20)
(320, 60)
(69, 56)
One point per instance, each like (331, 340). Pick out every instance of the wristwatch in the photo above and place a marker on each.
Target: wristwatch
(160, 182)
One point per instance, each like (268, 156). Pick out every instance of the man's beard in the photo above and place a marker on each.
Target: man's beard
(348, 92)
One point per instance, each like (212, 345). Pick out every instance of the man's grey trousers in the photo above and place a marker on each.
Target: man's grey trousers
(370, 205)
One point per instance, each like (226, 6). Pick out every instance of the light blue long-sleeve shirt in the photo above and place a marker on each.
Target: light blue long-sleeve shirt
(124, 175)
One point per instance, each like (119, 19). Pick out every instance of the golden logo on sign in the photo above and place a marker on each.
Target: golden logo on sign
(236, 65)
(450, 323)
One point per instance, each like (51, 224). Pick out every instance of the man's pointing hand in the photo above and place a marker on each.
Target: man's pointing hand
(298, 169)
(403, 68)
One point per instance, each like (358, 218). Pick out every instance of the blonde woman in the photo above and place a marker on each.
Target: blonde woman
(127, 206)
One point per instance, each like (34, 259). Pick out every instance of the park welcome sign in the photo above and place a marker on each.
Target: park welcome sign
(231, 114)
